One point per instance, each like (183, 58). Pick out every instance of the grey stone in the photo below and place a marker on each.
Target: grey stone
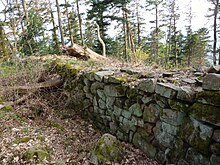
(182, 162)
(110, 102)
(130, 138)
(115, 90)
(136, 110)
(102, 104)
(164, 138)
(216, 135)
(87, 82)
(215, 160)
(113, 127)
(211, 82)
(120, 135)
(209, 97)
(101, 94)
(128, 125)
(86, 89)
(89, 96)
(172, 117)
(197, 134)
(108, 148)
(127, 114)
(148, 85)
(117, 111)
(151, 113)
(95, 102)
(141, 141)
(146, 100)
(90, 76)
(167, 90)
(100, 74)
(179, 105)
(215, 148)
(186, 93)
(195, 158)
(207, 113)
(95, 86)
(169, 128)
(214, 69)
(189, 81)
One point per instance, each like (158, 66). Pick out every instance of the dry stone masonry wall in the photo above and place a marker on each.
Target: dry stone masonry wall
(172, 119)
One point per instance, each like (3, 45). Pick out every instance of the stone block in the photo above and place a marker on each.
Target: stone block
(102, 104)
(211, 82)
(151, 113)
(115, 90)
(167, 90)
(147, 100)
(215, 148)
(209, 97)
(148, 85)
(95, 86)
(110, 102)
(179, 106)
(127, 114)
(186, 93)
(215, 160)
(101, 94)
(171, 129)
(136, 110)
(117, 111)
(207, 113)
(195, 158)
(197, 134)
(100, 74)
(172, 117)
(216, 135)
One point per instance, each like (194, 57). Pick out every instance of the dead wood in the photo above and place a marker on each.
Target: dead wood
(82, 53)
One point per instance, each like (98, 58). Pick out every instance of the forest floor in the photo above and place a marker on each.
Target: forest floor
(43, 130)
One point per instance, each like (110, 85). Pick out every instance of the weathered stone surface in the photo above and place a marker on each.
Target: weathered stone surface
(169, 128)
(164, 138)
(147, 100)
(102, 104)
(215, 148)
(136, 110)
(151, 113)
(110, 102)
(172, 117)
(215, 160)
(128, 125)
(179, 106)
(197, 134)
(108, 148)
(148, 85)
(195, 158)
(101, 94)
(127, 114)
(211, 82)
(87, 82)
(189, 80)
(207, 113)
(113, 127)
(182, 162)
(214, 69)
(142, 140)
(95, 86)
(115, 90)
(209, 97)
(186, 93)
(132, 93)
(167, 90)
(117, 111)
(90, 76)
(86, 89)
(100, 74)
(216, 135)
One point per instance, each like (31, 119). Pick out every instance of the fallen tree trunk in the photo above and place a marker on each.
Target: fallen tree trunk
(82, 53)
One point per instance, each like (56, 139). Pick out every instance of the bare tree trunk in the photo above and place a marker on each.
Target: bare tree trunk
(20, 15)
(138, 24)
(125, 37)
(215, 31)
(68, 23)
(60, 23)
(25, 10)
(157, 33)
(101, 41)
(80, 22)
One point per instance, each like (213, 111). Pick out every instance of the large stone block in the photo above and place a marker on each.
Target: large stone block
(110, 102)
(186, 93)
(209, 97)
(115, 90)
(148, 85)
(211, 82)
(215, 160)
(195, 158)
(151, 113)
(100, 74)
(172, 117)
(197, 134)
(167, 90)
(207, 113)
(136, 110)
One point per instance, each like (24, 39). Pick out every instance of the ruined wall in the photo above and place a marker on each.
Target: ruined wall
(171, 120)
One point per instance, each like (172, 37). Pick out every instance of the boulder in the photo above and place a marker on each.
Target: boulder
(108, 148)
(211, 82)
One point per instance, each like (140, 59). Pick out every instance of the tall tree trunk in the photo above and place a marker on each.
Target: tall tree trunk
(55, 37)
(125, 37)
(215, 31)
(157, 33)
(68, 23)
(138, 23)
(60, 23)
(101, 41)
(25, 10)
(80, 22)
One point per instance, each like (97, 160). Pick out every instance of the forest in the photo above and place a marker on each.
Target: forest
(37, 27)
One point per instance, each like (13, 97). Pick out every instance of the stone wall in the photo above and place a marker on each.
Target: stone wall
(171, 120)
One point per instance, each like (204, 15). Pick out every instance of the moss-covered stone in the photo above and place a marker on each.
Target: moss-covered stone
(179, 106)
(132, 93)
(115, 90)
(108, 148)
(215, 148)
(36, 153)
(7, 108)
(209, 97)
(206, 113)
